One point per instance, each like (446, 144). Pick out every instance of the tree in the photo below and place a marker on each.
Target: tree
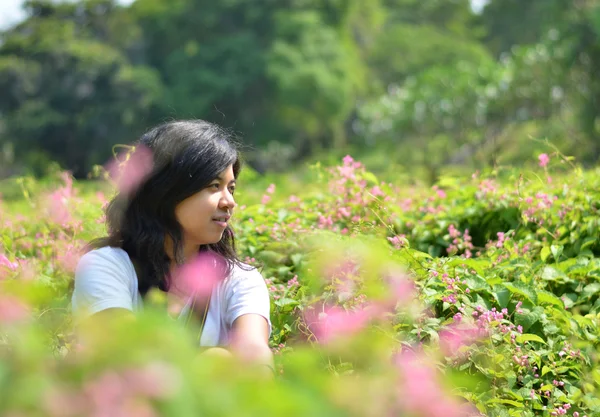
(515, 22)
(67, 93)
(277, 70)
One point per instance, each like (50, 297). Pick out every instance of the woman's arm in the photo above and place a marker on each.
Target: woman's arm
(250, 341)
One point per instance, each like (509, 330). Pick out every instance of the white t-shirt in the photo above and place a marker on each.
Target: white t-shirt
(105, 278)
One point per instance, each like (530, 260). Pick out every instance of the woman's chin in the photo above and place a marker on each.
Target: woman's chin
(210, 241)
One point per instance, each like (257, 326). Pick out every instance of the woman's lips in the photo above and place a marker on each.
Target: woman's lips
(220, 223)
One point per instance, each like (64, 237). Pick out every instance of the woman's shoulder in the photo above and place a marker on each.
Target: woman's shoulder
(106, 256)
(242, 270)
(243, 275)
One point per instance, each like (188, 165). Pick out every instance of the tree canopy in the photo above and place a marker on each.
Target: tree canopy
(296, 77)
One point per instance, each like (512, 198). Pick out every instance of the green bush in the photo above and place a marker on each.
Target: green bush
(476, 295)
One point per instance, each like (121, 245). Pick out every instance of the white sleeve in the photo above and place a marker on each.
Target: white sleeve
(247, 294)
(102, 281)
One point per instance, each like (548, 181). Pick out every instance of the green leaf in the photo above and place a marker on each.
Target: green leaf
(297, 259)
(588, 241)
(557, 251)
(286, 302)
(476, 283)
(503, 401)
(502, 296)
(546, 297)
(591, 289)
(550, 273)
(522, 289)
(545, 253)
(528, 337)
(526, 319)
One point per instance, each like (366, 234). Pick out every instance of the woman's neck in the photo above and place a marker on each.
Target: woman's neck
(189, 251)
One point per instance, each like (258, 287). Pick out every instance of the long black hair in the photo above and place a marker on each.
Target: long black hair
(187, 156)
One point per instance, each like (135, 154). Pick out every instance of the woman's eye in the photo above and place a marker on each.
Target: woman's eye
(215, 186)
(232, 190)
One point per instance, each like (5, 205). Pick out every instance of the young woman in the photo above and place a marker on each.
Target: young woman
(179, 211)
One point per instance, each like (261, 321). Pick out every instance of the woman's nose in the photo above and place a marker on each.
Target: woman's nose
(227, 200)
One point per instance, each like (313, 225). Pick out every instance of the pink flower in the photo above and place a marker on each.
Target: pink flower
(199, 276)
(543, 159)
(5, 264)
(265, 199)
(335, 322)
(155, 380)
(377, 192)
(454, 337)
(12, 310)
(348, 160)
(133, 170)
(64, 403)
(106, 391)
(402, 289)
(68, 257)
(421, 391)
(57, 206)
(271, 189)
(398, 241)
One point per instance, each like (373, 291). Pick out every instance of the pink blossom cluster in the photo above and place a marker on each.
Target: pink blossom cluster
(439, 192)
(501, 239)
(277, 349)
(452, 285)
(68, 254)
(420, 392)
(433, 205)
(485, 318)
(399, 241)
(60, 202)
(13, 310)
(330, 322)
(455, 336)
(130, 392)
(352, 200)
(131, 168)
(537, 208)
(6, 266)
(266, 198)
(564, 209)
(278, 290)
(460, 242)
(486, 186)
(333, 322)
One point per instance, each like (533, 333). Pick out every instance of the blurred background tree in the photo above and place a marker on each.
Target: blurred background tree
(422, 84)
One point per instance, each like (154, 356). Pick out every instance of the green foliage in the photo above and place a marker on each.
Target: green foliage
(437, 85)
(68, 94)
(493, 279)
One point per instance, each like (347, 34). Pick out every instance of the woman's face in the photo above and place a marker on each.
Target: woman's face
(205, 215)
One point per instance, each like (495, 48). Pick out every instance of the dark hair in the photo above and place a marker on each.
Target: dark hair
(187, 156)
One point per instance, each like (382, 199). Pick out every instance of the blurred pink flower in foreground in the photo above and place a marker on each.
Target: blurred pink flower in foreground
(453, 338)
(68, 256)
(199, 276)
(58, 202)
(420, 392)
(334, 322)
(127, 393)
(155, 380)
(544, 159)
(133, 170)
(12, 309)
(402, 288)
(6, 265)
